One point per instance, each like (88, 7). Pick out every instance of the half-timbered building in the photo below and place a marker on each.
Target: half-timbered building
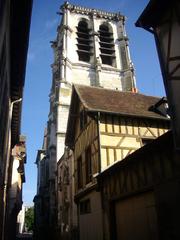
(140, 194)
(104, 127)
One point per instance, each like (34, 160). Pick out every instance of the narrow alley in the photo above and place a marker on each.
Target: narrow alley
(90, 154)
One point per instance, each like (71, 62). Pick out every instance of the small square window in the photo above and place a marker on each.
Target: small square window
(88, 164)
(85, 207)
(79, 173)
(83, 119)
(146, 141)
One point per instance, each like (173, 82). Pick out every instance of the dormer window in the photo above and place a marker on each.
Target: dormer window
(106, 45)
(84, 41)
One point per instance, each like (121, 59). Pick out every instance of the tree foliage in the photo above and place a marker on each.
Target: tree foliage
(29, 219)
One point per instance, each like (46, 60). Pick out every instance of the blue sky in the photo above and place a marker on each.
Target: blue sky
(40, 57)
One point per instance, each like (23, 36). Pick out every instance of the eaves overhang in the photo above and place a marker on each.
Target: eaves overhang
(127, 114)
(152, 14)
(20, 18)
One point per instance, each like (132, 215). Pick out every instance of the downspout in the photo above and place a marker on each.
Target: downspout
(99, 142)
(7, 165)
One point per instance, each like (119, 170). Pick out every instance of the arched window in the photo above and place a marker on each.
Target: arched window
(84, 41)
(106, 45)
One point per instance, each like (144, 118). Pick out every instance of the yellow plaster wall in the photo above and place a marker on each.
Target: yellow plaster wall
(120, 136)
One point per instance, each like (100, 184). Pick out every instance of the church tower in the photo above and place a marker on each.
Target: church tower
(91, 48)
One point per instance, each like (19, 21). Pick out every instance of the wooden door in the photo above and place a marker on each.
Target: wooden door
(136, 218)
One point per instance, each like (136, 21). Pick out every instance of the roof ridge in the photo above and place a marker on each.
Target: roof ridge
(114, 90)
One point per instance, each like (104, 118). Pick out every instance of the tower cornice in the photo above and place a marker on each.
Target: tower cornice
(91, 11)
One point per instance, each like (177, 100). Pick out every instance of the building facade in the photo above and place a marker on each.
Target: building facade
(91, 48)
(17, 178)
(41, 200)
(104, 127)
(13, 54)
(21, 221)
(140, 194)
(66, 207)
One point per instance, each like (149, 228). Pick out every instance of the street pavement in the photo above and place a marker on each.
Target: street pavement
(24, 237)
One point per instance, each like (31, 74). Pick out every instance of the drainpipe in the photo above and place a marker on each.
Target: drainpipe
(99, 141)
(7, 165)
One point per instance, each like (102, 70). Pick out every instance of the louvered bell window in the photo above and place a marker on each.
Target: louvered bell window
(84, 42)
(106, 45)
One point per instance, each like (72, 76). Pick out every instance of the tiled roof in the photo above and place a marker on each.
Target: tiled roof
(96, 99)
(117, 102)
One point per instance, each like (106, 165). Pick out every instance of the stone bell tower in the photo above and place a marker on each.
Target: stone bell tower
(91, 48)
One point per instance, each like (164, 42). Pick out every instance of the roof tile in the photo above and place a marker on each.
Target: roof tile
(117, 102)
